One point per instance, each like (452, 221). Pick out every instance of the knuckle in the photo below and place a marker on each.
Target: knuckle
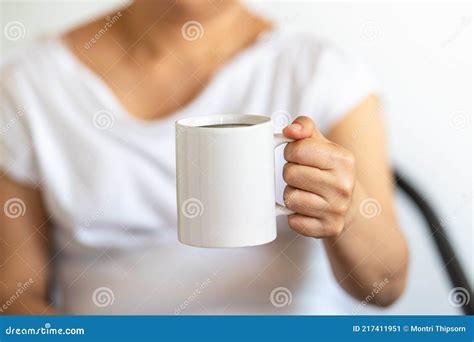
(340, 208)
(347, 158)
(345, 186)
(334, 228)
(326, 230)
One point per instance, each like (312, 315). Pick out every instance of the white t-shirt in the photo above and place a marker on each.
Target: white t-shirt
(108, 181)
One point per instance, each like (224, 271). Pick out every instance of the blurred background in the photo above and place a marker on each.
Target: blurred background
(422, 56)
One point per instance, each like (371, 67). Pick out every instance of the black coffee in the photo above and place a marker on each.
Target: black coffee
(227, 125)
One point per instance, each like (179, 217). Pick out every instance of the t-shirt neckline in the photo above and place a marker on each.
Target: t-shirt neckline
(113, 102)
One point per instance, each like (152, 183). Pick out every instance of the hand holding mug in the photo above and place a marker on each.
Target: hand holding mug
(226, 182)
(321, 177)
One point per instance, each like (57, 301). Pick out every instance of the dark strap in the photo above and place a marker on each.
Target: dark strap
(445, 249)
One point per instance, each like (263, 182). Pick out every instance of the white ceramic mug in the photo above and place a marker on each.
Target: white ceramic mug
(226, 181)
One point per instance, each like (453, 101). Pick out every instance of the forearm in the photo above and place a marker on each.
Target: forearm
(29, 305)
(24, 291)
(369, 257)
(21, 295)
(24, 253)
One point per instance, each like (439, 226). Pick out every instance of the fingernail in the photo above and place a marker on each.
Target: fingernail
(296, 127)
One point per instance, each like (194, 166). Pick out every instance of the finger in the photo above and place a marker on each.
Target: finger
(313, 227)
(310, 179)
(304, 202)
(307, 226)
(302, 127)
(311, 152)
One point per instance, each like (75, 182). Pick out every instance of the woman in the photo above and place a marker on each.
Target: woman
(88, 159)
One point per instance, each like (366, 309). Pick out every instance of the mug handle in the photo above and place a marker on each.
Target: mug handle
(278, 139)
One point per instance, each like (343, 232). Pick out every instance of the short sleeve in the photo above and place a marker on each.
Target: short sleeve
(16, 149)
(345, 81)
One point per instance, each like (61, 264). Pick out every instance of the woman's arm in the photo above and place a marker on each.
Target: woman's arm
(24, 252)
(341, 188)
(377, 249)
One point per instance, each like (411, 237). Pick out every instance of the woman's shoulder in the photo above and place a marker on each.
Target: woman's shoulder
(308, 59)
(323, 77)
(287, 39)
(36, 60)
(307, 49)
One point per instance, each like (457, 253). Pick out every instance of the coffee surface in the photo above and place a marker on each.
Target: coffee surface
(226, 125)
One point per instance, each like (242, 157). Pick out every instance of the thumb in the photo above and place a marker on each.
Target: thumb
(302, 127)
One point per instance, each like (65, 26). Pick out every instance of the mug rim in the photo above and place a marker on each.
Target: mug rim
(200, 121)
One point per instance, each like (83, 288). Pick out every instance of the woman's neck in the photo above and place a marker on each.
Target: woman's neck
(143, 54)
(150, 28)
(173, 13)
